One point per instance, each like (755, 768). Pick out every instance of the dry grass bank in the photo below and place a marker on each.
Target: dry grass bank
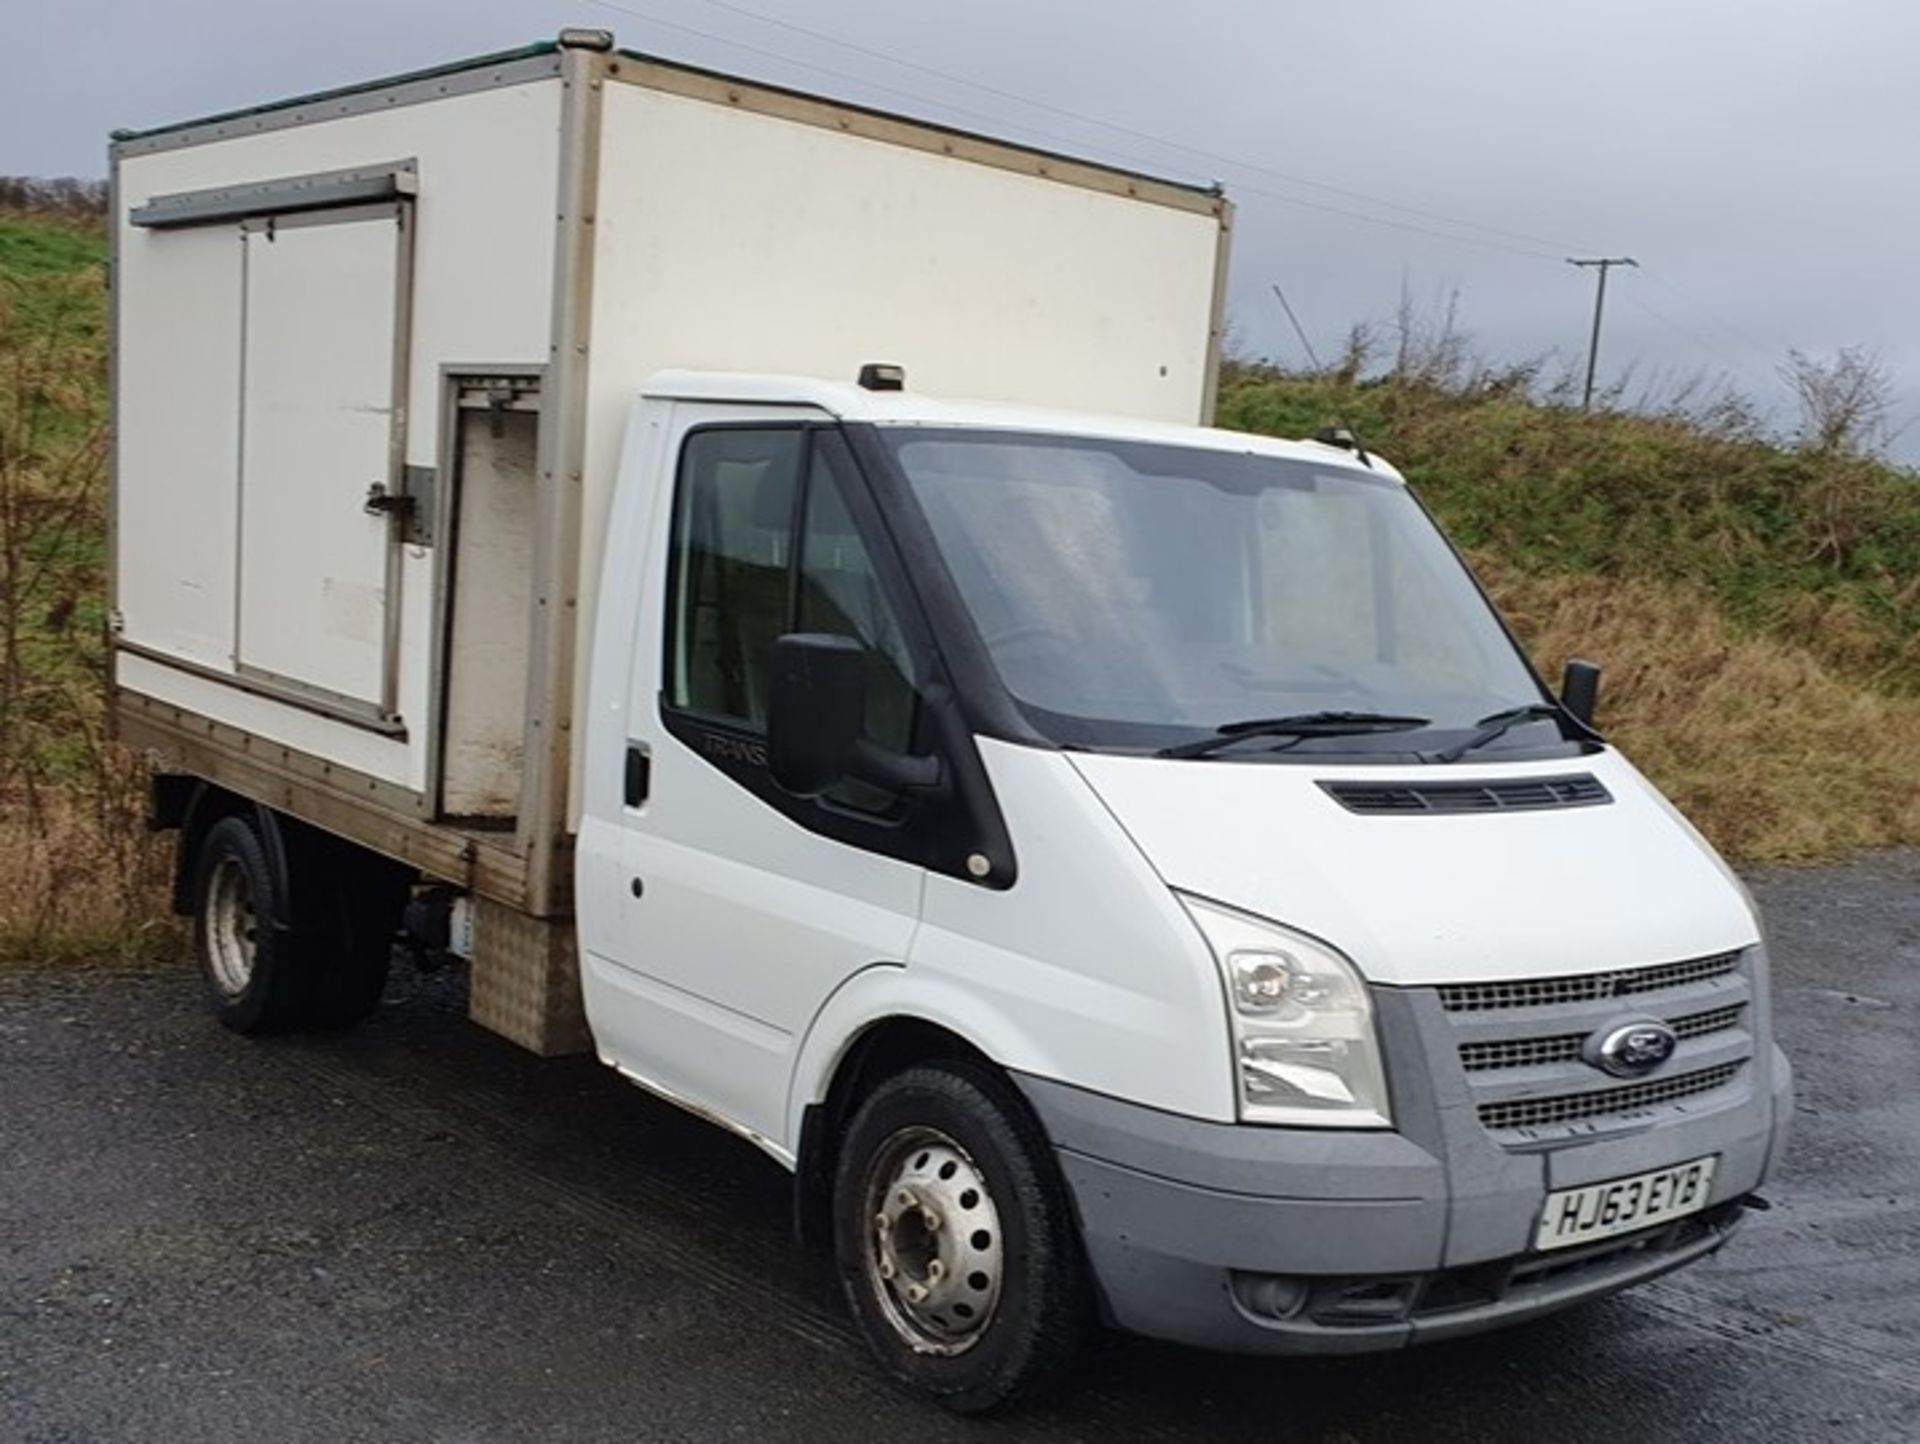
(1774, 755)
(1757, 608)
(81, 878)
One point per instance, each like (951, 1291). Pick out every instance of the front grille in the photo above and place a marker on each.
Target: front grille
(1603, 1102)
(1565, 1047)
(1587, 988)
(1529, 794)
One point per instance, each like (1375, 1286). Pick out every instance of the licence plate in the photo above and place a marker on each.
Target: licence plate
(1601, 1210)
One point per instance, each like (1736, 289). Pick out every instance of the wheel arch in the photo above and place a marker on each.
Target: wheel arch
(195, 813)
(870, 1029)
(290, 844)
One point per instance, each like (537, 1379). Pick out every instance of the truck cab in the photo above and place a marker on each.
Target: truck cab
(1128, 871)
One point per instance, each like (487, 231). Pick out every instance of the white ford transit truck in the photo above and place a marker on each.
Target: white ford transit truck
(1125, 870)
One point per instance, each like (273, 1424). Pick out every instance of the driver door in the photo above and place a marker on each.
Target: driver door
(746, 908)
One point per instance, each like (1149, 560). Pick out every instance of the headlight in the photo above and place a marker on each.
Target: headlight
(1305, 1050)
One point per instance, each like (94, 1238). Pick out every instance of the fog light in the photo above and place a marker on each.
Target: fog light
(1270, 1296)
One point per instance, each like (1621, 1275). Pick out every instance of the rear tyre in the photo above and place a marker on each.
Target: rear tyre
(258, 977)
(955, 1240)
(357, 919)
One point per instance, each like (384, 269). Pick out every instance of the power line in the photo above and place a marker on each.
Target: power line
(1738, 333)
(1731, 366)
(1121, 129)
(1482, 242)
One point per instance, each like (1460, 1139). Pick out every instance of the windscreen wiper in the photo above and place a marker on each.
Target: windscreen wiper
(1495, 724)
(1299, 725)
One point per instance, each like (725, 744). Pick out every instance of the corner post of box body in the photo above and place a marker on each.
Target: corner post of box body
(1217, 319)
(543, 825)
(115, 290)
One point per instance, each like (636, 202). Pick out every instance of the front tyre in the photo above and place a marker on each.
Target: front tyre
(955, 1240)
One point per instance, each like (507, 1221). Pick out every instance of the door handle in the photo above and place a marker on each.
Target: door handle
(639, 779)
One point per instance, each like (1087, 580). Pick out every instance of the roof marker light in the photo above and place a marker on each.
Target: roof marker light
(879, 376)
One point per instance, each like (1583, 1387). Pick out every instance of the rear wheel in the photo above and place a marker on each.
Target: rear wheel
(955, 1240)
(304, 944)
(258, 977)
(359, 917)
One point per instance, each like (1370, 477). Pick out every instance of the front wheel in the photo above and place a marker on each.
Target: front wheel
(955, 1240)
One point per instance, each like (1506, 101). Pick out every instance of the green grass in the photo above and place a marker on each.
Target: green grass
(36, 247)
(1758, 608)
(78, 874)
(1822, 551)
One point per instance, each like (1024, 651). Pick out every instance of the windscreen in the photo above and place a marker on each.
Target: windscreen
(1134, 596)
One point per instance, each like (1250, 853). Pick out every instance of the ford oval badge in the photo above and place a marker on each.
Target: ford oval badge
(1633, 1049)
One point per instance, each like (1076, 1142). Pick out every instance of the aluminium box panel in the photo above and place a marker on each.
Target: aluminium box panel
(785, 235)
(490, 538)
(481, 291)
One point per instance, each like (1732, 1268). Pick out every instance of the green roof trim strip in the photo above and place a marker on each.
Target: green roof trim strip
(342, 92)
(181, 133)
(1212, 188)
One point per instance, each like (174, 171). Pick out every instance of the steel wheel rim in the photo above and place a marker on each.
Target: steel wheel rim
(232, 927)
(934, 1253)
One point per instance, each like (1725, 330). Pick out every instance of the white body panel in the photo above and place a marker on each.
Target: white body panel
(705, 981)
(177, 429)
(317, 385)
(1435, 899)
(810, 251)
(775, 234)
(481, 291)
(757, 951)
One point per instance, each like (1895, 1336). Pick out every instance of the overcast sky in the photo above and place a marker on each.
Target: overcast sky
(1761, 158)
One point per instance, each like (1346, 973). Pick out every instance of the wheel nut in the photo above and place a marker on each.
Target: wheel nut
(886, 1268)
(916, 1293)
(930, 1219)
(936, 1271)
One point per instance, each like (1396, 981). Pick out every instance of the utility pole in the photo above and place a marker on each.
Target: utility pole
(1603, 264)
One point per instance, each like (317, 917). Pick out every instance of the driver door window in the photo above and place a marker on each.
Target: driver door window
(740, 581)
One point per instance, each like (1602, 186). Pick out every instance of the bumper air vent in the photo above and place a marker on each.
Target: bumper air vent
(1603, 1102)
(1589, 988)
(1529, 794)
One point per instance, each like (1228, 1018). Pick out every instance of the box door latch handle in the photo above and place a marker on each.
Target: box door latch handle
(381, 502)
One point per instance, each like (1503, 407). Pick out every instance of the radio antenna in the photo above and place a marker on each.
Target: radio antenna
(1352, 437)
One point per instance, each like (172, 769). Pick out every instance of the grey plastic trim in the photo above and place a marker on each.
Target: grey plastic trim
(391, 180)
(1170, 1207)
(340, 105)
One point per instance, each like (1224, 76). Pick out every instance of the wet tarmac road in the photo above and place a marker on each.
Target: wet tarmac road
(416, 1232)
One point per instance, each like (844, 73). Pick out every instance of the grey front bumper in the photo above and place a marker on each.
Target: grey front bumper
(1269, 1240)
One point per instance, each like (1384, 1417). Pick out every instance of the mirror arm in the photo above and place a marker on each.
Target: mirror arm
(882, 768)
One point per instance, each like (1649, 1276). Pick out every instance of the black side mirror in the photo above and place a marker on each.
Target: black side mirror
(815, 709)
(1580, 690)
